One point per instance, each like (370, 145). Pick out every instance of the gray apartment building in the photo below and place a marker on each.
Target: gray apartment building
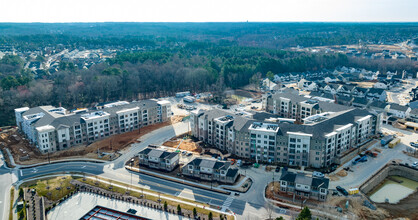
(318, 140)
(53, 129)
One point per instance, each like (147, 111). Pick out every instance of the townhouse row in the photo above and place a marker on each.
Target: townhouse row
(53, 129)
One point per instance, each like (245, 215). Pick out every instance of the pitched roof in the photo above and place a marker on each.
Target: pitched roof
(398, 107)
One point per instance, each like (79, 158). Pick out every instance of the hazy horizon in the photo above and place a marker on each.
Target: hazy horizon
(78, 11)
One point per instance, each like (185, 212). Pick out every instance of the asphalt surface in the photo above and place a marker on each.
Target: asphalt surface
(5, 183)
(115, 170)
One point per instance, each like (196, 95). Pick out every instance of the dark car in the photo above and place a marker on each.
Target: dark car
(277, 169)
(342, 190)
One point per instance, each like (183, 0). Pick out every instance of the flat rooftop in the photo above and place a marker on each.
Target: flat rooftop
(258, 126)
(103, 213)
(94, 115)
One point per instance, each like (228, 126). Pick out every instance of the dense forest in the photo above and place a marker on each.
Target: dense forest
(267, 35)
(174, 57)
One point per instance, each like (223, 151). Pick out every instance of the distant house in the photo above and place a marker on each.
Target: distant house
(413, 115)
(399, 111)
(211, 170)
(376, 94)
(158, 159)
(331, 79)
(380, 85)
(331, 88)
(379, 106)
(360, 102)
(304, 186)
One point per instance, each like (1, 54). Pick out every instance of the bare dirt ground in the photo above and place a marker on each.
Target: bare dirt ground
(25, 154)
(187, 144)
(356, 206)
(365, 84)
(407, 207)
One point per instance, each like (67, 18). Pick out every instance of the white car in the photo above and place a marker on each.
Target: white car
(318, 174)
(415, 164)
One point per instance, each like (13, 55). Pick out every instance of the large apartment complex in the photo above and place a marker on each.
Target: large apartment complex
(317, 133)
(54, 128)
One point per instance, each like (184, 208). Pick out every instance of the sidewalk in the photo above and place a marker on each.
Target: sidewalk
(162, 196)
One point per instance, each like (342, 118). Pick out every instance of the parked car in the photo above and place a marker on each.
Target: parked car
(189, 154)
(318, 174)
(415, 164)
(236, 194)
(342, 190)
(414, 144)
(277, 169)
(183, 152)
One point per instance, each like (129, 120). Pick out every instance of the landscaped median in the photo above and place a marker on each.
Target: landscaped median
(134, 169)
(57, 189)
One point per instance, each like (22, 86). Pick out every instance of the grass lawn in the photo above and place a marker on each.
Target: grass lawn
(53, 188)
(12, 195)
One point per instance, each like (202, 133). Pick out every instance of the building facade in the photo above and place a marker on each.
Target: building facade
(211, 170)
(303, 186)
(53, 129)
(318, 140)
(159, 159)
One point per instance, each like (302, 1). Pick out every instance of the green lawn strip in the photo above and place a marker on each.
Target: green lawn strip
(53, 182)
(149, 197)
(12, 195)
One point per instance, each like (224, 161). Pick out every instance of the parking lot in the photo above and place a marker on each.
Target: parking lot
(361, 171)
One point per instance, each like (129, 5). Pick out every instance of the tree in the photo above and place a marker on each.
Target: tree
(165, 205)
(280, 218)
(210, 216)
(305, 214)
(178, 209)
(270, 75)
(21, 193)
(269, 208)
(194, 212)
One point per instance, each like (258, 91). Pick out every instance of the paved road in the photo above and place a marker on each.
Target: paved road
(115, 170)
(5, 183)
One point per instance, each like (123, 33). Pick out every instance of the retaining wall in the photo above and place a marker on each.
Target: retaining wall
(389, 170)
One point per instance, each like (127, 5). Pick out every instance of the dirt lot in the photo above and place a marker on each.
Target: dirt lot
(356, 206)
(187, 144)
(407, 207)
(25, 154)
(365, 84)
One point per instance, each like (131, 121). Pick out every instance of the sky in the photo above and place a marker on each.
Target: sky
(208, 10)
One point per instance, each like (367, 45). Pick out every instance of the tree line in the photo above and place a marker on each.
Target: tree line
(155, 73)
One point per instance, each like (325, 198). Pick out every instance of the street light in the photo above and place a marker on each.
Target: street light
(132, 161)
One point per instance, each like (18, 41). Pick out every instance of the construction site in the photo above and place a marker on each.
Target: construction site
(107, 149)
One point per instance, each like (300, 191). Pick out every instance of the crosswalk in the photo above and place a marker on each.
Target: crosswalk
(227, 203)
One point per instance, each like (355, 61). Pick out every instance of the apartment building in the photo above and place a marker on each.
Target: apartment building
(290, 105)
(318, 140)
(304, 186)
(159, 159)
(52, 129)
(211, 170)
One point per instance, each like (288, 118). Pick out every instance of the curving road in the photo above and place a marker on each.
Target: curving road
(115, 170)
